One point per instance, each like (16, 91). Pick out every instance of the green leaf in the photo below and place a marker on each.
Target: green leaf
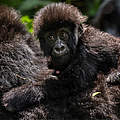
(28, 23)
(96, 93)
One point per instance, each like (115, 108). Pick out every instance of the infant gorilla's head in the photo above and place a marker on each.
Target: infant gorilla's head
(58, 28)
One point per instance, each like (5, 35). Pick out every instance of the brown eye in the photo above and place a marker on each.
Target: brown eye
(63, 35)
(49, 38)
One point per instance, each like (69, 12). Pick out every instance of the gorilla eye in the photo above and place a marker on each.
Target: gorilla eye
(63, 35)
(50, 38)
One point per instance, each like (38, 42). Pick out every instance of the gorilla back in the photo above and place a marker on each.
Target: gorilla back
(18, 62)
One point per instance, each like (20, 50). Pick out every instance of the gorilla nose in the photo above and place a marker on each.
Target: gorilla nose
(60, 49)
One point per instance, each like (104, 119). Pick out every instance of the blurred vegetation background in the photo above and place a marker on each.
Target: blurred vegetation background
(28, 8)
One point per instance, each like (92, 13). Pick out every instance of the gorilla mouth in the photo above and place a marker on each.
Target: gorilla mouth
(60, 60)
(60, 53)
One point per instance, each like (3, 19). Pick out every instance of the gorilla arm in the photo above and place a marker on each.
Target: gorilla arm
(28, 95)
(108, 47)
(22, 97)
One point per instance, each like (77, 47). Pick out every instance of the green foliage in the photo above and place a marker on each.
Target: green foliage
(13, 3)
(28, 23)
(93, 6)
(28, 8)
(68, 1)
(30, 4)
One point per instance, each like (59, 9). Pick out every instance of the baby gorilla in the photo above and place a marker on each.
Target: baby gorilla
(78, 53)
(58, 32)
(73, 50)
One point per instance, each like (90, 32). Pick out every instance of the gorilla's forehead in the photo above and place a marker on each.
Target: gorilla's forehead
(55, 25)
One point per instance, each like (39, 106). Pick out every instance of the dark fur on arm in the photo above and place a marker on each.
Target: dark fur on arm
(19, 98)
